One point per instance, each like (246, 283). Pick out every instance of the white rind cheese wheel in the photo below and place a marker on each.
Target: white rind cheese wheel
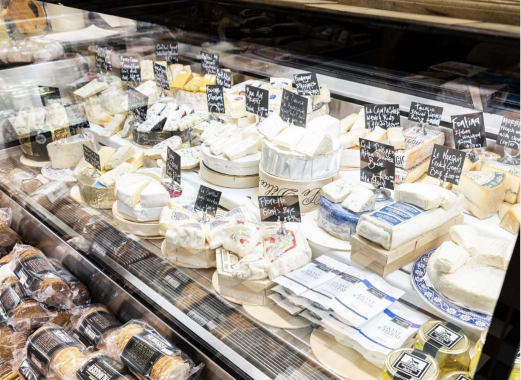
(243, 166)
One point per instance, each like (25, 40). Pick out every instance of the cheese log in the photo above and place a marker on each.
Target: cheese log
(347, 123)
(377, 134)
(114, 126)
(425, 196)
(419, 147)
(338, 190)
(129, 187)
(121, 155)
(67, 153)
(466, 237)
(512, 180)
(411, 175)
(510, 221)
(109, 178)
(352, 138)
(315, 143)
(359, 200)
(290, 137)
(396, 138)
(483, 191)
(325, 124)
(154, 195)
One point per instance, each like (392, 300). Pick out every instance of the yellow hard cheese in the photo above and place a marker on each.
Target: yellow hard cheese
(208, 80)
(512, 178)
(181, 80)
(194, 84)
(510, 217)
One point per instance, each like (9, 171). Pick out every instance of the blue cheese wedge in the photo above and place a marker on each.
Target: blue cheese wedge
(190, 157)
(151, 124)
(190, 121)
(155, 109)
(155, 152)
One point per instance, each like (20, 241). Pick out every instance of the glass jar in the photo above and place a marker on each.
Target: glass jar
(475, 352)
(408, 361)
(458, 375)
(453, 354)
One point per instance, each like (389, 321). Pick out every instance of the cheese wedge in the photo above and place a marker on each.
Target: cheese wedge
(510, 220)
(137, 160)
(512, 178)
(181, 80)
(121, 155)
(129, 187)
(378, 135)
(466, 237)
(194, 84)
(347, 123)
(351, 138)
(109, 178)
(114, 126)
(396, 138)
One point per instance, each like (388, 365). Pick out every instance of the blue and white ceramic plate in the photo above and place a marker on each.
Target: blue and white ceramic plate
(454, 312)
(65, 175)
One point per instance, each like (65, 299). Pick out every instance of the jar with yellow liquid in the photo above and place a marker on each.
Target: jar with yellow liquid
(475, 353)
(514, 375)
(446, 343)
(458, 375)
(408, 363)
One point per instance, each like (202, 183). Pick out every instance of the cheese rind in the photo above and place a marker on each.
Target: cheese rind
(68, 152)
(315, 143)
(109, 178)
(377, 134)
(271, 126)
(450, 257)
(419, 147)
(129, 187)
(325, 124)
(396, 138)
(347, 123)
(352, 138)
(512, 178)
(290, 137)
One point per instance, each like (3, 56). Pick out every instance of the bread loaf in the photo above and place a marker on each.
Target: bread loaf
(101, 363)
(93, 324)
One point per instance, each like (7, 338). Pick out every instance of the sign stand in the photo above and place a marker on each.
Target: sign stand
(282, 230)
(381, 194)
(510, 158)
(508, 136)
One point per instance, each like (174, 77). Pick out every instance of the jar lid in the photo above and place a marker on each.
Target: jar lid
(451, 341)
(457, 375)
(413, 363)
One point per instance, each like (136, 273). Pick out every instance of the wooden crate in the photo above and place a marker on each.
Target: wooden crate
(382, 262)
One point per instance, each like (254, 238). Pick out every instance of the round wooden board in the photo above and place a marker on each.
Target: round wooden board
(76, 195)
(275, 316)
(147, 230)
(33, 164)
(320, 237)
(342, 360)
(225, 180)
(217, 287)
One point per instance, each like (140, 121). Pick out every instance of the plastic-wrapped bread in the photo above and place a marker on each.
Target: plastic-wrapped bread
(55, 352)
(148, 354)
(100, 366)
(28, 371)
(78, 293)
(8, 238)
(12, 344)
(93, 325)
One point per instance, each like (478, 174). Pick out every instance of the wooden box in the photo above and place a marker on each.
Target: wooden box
(382, 262)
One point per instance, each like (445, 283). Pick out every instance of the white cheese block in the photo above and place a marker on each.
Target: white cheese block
(154, 195)
(359, 200)
(188, 235)
(466, 237)
(109, 178)
(450, 257)
(91, 88)
(225, 141)
(170, 218)
(512, 181)
(326, 124)
(290, 137)
(510, 221)
(154, 173)
(219, 133)
(121, 155)
(155, 152)
(377, 134)
(67, 153)
(315, 143)
(172, 121)
(272, 126)
(247, 165)
(114, 126)
(138, 159)
(396, 138)
(338, 190)
(190, 121)
(140, 213)
(217, 230)
(352, 138)
(483, 191)
(241, 149)
(129, 187)
(235, 105)
(425, 196)
(419, 147)
(347, 123)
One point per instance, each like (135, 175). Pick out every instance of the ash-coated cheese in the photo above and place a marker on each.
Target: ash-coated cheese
(121, 155)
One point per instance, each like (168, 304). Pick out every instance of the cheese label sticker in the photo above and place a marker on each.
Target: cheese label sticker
(396, 213)
(207, 200)
(209, 62)
(257, 101)
(275, 208)
(173, 165)
(411, 365)
(96, 324)
(306, 84)
(91, 157)
(42, 346)
(224, 78)
(508, 135)
(382, 115)
(167, 52)
(215, 98)
(424, 113)
(144, 350)
(130, 69)
(103, 367)
(441, 334)
(161, 76)
(446, 164)
(377, 165)
(293, 108)
(469, 130)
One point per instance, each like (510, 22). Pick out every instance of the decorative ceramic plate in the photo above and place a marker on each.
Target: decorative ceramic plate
(454, 312)
(65, 175)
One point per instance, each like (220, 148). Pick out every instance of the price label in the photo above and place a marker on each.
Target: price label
(377, 164)
(382, 115)
(446, 164)
(91, 157)
(167, 52)
(104, 58)
(215, 98)
(49, 95)
(306, 84)
(509, 133)
(293, 108)
(469, 130)
(173, 165)
(207, 200)
(161, 77)
(278, 207)
(210, 62)
(424, 113)
(130, 68)
(257, 101)
(224, 78)
(137, 103)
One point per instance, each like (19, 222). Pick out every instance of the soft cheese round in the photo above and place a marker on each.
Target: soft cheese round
(287, 164)
(248, 165)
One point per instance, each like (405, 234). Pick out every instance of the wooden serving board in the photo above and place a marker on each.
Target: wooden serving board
(382, 262)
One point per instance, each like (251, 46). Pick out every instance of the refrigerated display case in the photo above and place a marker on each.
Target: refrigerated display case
(95, 99)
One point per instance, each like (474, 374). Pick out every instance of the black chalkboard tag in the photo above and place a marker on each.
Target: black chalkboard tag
(210, 62)
(215, 98)
(257, 101)
(275, 208)
(49, 95)
(424, 113)
(469, 130)
(382, 115)
(92, 157)
(167, 52)
(293, 108)
(130, 68)
(137, 103)
(104, 58)
(224, 78)
(509, 133)
(161, 77)
(306, 84)
(173, 165)
(207, 200)
(446, 164)
(377, 164)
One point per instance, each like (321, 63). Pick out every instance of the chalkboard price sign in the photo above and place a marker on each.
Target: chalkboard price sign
(509, 133)
(137, 103)
(279, 208)
(130, 69)
(104, 58)
(424, 113)
(91, 157)
(210, 62)
(293, 108)
(377, 164)
(173, 166)
(224, 78)
(383, 115)
(167, 52)
(207, 200)
(257, 101)
(469, 130)
(215, 98)
(161, 77)
(446, 164)
(306, 84)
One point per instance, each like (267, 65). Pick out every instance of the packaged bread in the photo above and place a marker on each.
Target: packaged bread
(23, 313)
(5, 268)
(148, 354)
(101, 366)
(6, 216)
(93, 324)
(61, 318)
(38, 277)
(28, 371)
(78, 293)
(12, 344)
(55, 352)
(8, 238)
